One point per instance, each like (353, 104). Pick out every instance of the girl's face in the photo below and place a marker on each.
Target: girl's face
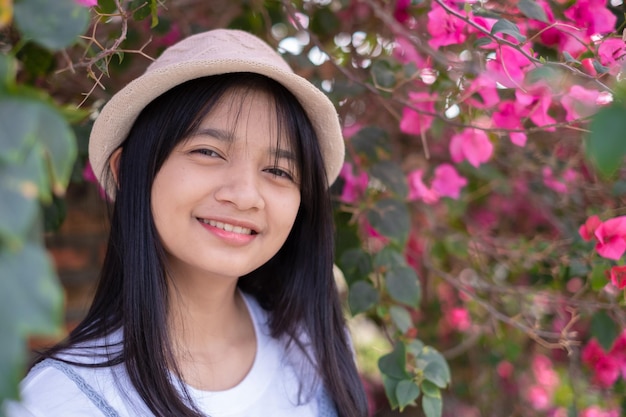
(225, 199)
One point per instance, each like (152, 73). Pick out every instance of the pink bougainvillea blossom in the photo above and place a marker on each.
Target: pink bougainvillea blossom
(472, 145)
(405, 52)
(355, 185)
(505, 369)
(444, 28)
(592, 16)
(544, 372)
(447, 181)
(580, 102)
(400, 13)
(413, 122)
(611, 53)
(536, 103)
(560, 185)
(459, 319)
(507, 117)
(605, 367)
(508, 67)
(418, 190)
(87, 3)
(611, 235)
(89, 176)
(618, 276)
(588, 229)
(618, 352)
(538, 397)
(595, 411)
(484, 93)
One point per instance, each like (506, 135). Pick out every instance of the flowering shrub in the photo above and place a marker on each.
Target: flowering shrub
(481, 224)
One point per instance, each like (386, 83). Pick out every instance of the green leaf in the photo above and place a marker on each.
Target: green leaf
(604, 146)
(509, 28)
(382, 74)
(403, 286)
(55, 25)
(355, 264)
(324, 21)
(406, 393)
(431, 390)
(31, 302)
(435, 367)
(390, 385)
(401, 318)
(484, 41)
(531, 9)
(141, 9)
(17, 130)
(362, 296)
(601, 69)
(388, 258)
(8, 70)
(390, 217)
(432, 406)
(20, 186)
(414, 347)
(58, 138)
(604, 329)
(393, 364)
(598, 276)
(391, 176)
(569, 58)
(371, 143)
(24, 122)
(545, 73)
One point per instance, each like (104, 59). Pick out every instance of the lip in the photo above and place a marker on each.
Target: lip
(230, 237)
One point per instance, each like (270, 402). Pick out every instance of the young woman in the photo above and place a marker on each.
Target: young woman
(217, 295)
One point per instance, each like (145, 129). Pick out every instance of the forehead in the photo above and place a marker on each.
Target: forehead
(252, 115)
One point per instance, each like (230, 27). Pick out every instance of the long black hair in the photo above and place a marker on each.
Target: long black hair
(296, 286)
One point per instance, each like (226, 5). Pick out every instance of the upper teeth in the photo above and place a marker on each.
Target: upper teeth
(228, 227)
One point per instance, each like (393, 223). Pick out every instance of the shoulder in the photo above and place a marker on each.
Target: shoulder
(48, 391)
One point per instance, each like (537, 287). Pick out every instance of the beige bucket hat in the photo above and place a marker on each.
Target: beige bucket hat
(214, 52)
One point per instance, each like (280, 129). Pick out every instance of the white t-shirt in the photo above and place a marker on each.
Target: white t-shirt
(281, 382)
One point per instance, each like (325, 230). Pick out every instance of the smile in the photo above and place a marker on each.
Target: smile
(228, 227)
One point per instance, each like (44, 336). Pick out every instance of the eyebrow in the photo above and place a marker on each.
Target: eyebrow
(229, 137)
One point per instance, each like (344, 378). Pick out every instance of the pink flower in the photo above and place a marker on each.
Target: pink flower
(472, 145)
(87, 3)
(587, 230)
(448, 182)
(354, 186)
(538, 397)
(618, 352)
(611, 53)
(592, 15)
(444, 28)
(544, 372)
(611, 236)
(595, 411)
(536, 103)
(507, 117)
(606, 371)
(401, 14)
(505, 369)
(413, 122)
(406, 53)
(618, 277)
(459, 319)
(89, 176)
(484, 87)
(508, 67)
(418, 190)
(579, 102)
(592, 353)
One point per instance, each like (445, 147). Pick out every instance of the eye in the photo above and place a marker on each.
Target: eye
(277, 172)
(207, 152)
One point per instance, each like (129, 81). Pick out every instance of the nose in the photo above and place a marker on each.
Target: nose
(240, 186)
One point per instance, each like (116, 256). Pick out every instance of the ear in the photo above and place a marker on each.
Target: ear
(114, 165)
